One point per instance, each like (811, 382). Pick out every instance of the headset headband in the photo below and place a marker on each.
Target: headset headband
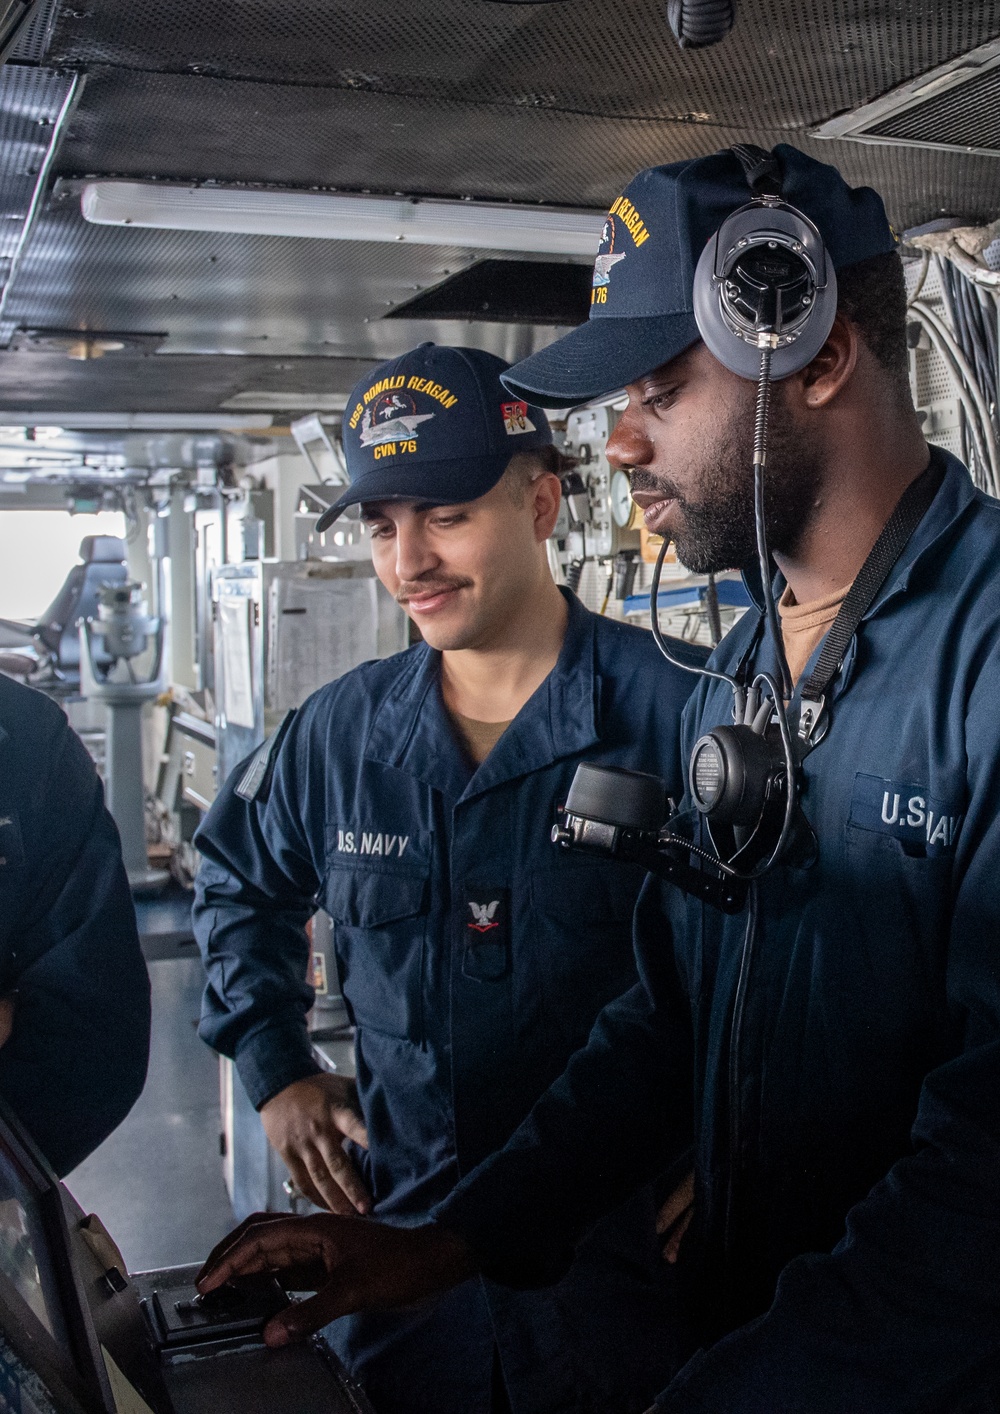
(759, 167)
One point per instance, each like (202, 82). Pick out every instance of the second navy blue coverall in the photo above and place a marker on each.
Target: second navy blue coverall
(836, 1045)
(75, 1062)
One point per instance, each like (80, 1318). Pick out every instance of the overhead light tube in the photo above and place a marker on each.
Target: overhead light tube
(335, 216)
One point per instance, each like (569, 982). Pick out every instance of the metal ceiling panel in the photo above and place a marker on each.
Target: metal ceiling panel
(163, 382)
(30, 100)
(233, 294)
(195, 128)
(785, 63)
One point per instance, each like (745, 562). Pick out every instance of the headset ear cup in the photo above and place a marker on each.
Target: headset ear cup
(741, 356)
(699, 23)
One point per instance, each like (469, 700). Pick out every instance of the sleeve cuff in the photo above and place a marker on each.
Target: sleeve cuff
(273, 1058)
(511, 1254)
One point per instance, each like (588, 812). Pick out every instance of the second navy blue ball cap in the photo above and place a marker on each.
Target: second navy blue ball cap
(642, 307)
(433, 425)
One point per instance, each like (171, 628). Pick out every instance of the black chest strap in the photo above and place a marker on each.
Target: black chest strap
(910, 511)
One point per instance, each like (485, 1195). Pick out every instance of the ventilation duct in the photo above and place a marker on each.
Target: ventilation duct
(31, 30)
(507, 292)
(953, 108)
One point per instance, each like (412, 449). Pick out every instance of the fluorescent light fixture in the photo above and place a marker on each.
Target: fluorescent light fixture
(332, 216)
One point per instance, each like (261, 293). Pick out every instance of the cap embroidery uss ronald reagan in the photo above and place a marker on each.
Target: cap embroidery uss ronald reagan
(434, 425)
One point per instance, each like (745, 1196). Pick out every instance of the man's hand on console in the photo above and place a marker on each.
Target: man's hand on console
(352, 1265)
(307, 1123)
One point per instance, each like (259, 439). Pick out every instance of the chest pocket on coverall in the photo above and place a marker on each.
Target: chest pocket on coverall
(585, 957)
(380, 915)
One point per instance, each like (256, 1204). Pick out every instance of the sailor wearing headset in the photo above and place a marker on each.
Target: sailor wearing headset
(414, 799)
(825, 1027)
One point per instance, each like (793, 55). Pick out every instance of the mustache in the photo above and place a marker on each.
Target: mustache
(642, 480)
(436, 584)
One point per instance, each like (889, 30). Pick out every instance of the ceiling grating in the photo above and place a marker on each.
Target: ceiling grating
(966, 118)
(129, 383)
(953, 108)
(786, 63)
(33, 41)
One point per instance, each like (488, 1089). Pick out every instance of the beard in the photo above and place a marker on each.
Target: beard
(717, 531)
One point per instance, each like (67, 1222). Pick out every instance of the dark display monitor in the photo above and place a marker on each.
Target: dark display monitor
(78, 1336)
(47, 1351)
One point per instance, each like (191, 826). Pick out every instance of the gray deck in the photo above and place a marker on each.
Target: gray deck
(157, 1181)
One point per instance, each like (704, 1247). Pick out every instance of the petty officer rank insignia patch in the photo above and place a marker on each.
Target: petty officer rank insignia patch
(923, 823)
(486, 929)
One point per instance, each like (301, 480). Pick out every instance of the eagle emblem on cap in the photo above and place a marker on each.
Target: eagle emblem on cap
(392, 417)
(602, 268)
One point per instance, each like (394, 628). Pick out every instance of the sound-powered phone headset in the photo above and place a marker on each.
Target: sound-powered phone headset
(765, 298)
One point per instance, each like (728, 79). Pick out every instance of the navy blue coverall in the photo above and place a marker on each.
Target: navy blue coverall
(464, 1014)
(75, 1062)
(834, 1049)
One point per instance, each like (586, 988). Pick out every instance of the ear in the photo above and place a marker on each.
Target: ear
(832, 368)
(545, 496)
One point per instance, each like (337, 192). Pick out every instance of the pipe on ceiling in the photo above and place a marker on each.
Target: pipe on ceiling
(700, 23)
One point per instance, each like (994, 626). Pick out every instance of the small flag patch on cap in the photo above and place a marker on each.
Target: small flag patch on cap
(516, 419)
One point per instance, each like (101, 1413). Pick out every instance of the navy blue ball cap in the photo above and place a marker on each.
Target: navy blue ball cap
(642, 305)
(434, 425)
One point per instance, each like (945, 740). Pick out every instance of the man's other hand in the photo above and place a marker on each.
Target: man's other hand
(307, 1123)
(352, 1266)
(674, 1218)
